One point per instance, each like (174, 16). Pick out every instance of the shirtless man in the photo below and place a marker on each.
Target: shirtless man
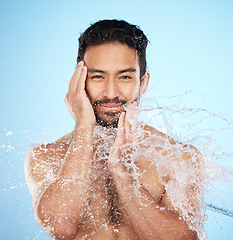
(83, 191)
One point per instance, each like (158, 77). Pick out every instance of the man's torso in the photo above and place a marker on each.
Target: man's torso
(105, 216)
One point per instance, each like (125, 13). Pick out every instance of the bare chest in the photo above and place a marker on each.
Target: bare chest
(106, 213)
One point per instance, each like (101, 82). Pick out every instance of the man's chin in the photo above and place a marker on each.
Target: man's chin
(108, 120)
(107, 124)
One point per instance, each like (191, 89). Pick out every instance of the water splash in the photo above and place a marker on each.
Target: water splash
(210, 133)
(187, 125)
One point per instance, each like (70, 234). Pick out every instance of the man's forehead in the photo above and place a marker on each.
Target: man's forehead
(114, 55)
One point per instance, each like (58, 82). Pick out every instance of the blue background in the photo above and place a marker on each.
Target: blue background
(190, 49)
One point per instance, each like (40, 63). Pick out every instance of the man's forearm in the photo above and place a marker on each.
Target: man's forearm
(148, 219)
(61, 207)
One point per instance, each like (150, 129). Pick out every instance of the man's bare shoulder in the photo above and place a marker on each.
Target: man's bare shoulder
(156, 137)
(168, 146)
(43, 162)
(50, 150)
(172, 157)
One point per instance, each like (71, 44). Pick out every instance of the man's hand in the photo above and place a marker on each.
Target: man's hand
(123, 140)
(77, 100)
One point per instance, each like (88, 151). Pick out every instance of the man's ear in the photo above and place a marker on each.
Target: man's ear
(144, 82)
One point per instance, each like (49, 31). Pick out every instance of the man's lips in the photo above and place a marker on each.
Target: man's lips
(110, 106)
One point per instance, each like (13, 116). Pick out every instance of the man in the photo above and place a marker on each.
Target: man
(106, 179)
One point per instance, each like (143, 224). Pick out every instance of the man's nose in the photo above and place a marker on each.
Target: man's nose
(111, 89)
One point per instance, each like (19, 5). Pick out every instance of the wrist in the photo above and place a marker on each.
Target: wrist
(83, 128)
(83, 136)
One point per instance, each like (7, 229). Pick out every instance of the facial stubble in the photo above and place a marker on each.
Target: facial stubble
(105, 122)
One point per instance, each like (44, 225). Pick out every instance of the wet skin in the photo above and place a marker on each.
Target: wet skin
(113, 77)
(81, 209)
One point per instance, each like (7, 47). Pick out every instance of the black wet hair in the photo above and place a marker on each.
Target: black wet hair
(106, 31)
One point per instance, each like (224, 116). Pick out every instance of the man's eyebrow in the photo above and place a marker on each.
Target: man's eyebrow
(96, 70)
(127, 70)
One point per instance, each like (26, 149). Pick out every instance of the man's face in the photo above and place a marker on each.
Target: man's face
(113, 80)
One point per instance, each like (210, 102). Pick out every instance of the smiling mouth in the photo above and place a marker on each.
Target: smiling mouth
(107, 105)
(111, 106)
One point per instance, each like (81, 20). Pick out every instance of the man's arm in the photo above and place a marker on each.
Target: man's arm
(60, 205)
(150, 220)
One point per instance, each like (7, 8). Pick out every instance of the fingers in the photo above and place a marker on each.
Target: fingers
(130, 119)
(124, 131)
(126, 124)
(115, 166)
(120, 130)
(82, 79)
(115, 152)
(127, 127)
(75, 78)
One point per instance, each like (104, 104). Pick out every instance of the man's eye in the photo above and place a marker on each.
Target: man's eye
(126, 77)
(97, 77)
